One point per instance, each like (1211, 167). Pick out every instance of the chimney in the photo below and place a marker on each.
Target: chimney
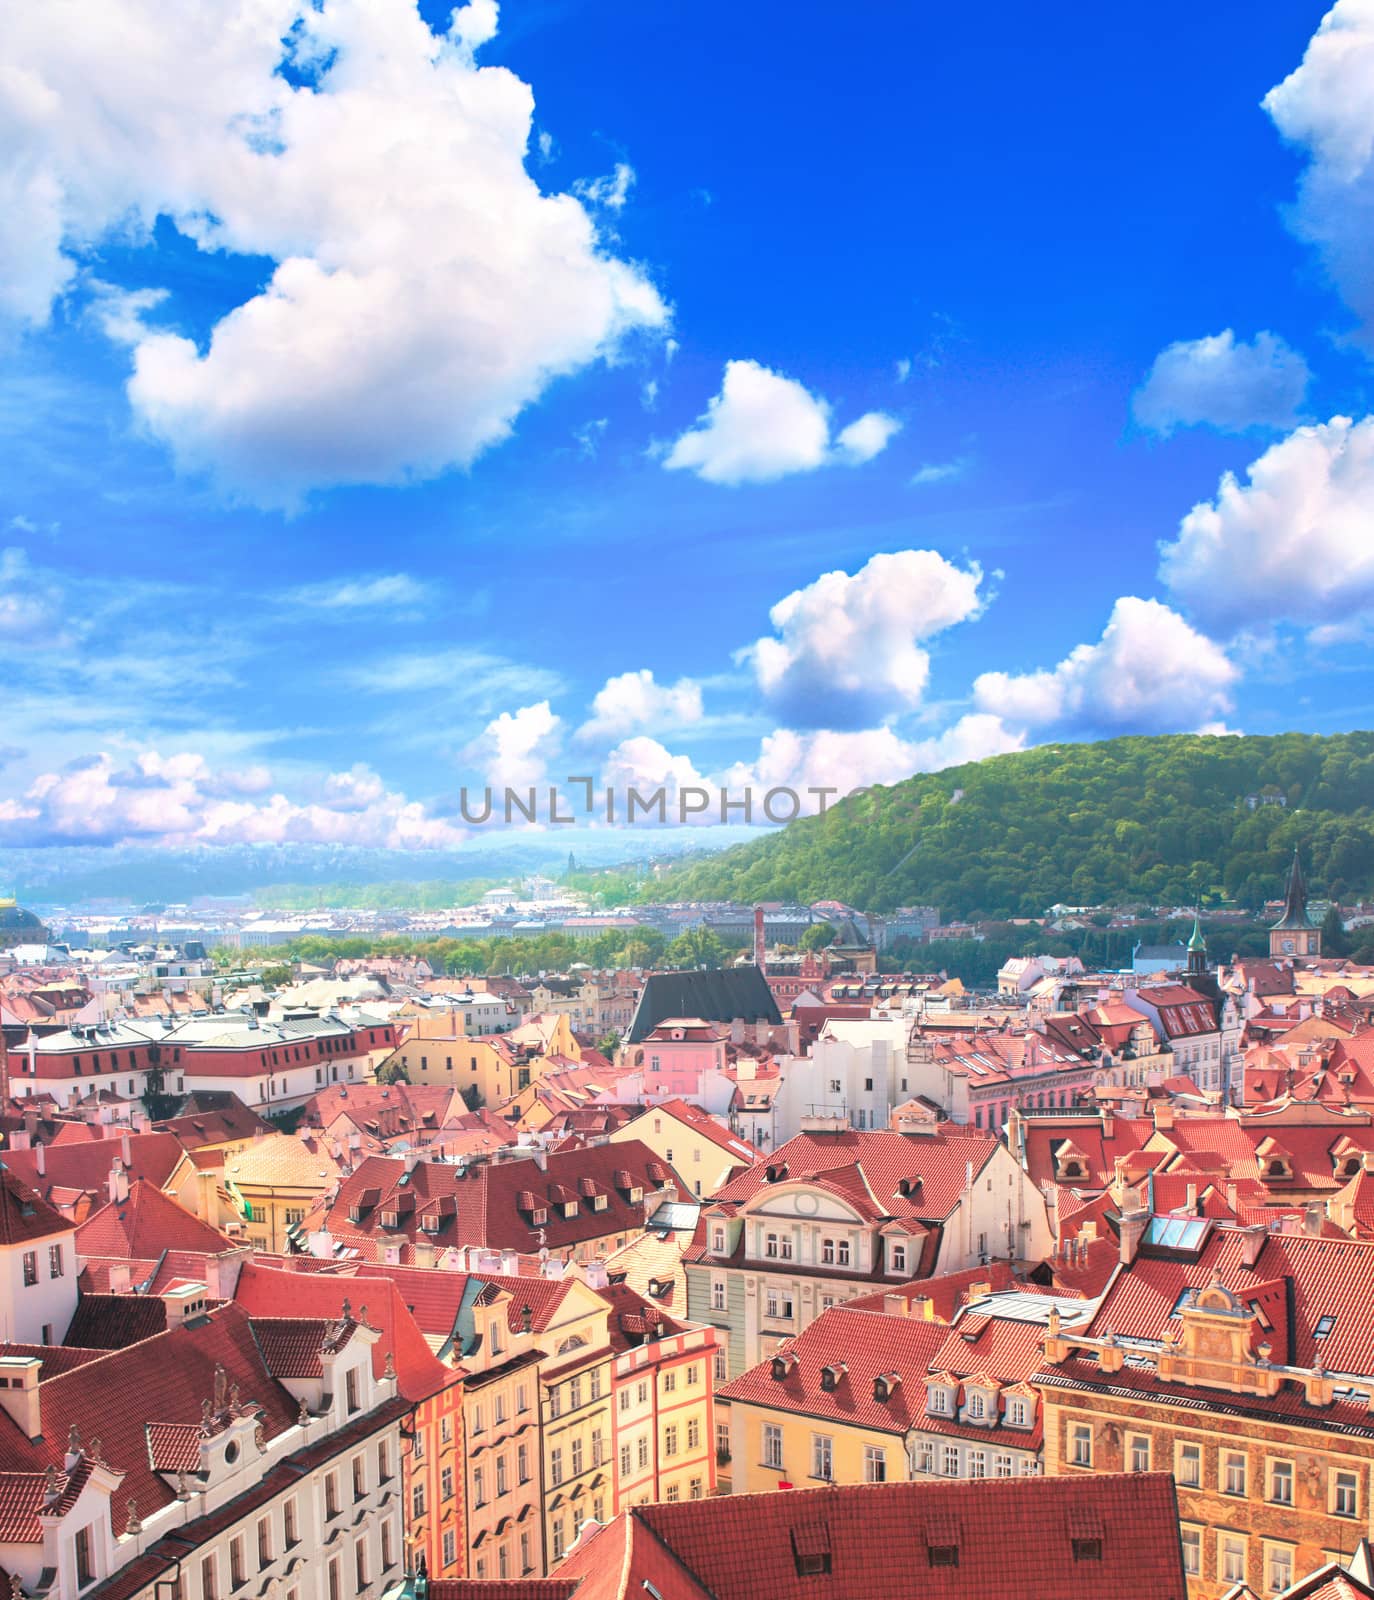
(118, 1185)
(1192, 1199)
(510, 1263)
(760, 948)
(1252, 1243)
(1164, 1115)
(120, 1277)
(1133, 1226)
(595, 1273)
(896, 1305)
(1108, 1125)
(125, 1152)
(40, 1156)
(19, 1392)
(1313, 1216)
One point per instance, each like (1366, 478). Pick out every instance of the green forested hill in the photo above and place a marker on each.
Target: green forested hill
(1165, 820)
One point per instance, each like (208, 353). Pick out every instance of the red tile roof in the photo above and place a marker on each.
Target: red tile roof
(111, 1321)
(85, 1166)
(25, 1215)
(1017, 1539)
(145, 1224)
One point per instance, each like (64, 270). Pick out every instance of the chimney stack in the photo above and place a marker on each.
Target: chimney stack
(19, 1392)
(1133, 1226)
(1252, 1243)
(760, 949)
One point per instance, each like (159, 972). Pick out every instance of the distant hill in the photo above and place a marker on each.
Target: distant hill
(1162, 820)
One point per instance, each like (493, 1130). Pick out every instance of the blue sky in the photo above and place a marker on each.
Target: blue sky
(831, 395)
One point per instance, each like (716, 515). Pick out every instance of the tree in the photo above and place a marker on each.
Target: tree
(608, 1044)
(1335, 940)
(392, 1072)
(277, 976)
(696, 947)
(819, 936)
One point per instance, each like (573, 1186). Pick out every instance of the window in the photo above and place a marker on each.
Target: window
(1344, 1494)
(331, 1495)
(556, 1465)
(555, 1402)
(359, 1478)
(446, 1483)
(674, 1492)
(351, 1389)
(976, 1407)
(522, 1399)
(694, 1433)
(575, 1392)
(770, 1246)
(670, 1439)
(30, 1268)
(942, 1555)
(1231, 1558)
(842, 1252)
(335, 1582)
(85, 1570)
(772, 1445)
(822, 1456)
(594, 1383)
(236, 1573)
(1188, 1469)
(1018, 1413)
(625, 1467)
(383, 1461)
(642, 1450)
(938, 1405)
(720, 1366)
(450, 1547)
(718, 1241)
(951, 1461)
(360, 1564)
(292, 1527)
(1081, 1445)
(718, 1294)
(779, 1304)
(875, 1464)
(55, 1261)
(1192, 1550)
(669, 1381)
(1235, 1474)
(1087, 1549)
(417, 1501)
(1139, 1453)
(977, 1464)
(1001, 1466)
(1281, 1483)
(264, 1542)
(503, 1562)
(827, 1252)
(522, 1463)
(524, 1552)
(897, 1256)
(694, 1490)
(1278, 1567)
(209, 1576)
(576, 1455)
(558, 1537)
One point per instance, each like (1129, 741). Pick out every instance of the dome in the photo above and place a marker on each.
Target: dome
(18, 926)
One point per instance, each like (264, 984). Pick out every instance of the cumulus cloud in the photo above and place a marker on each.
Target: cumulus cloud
(180, 800)
(1326, 105)
(1224, 383)
(394, 339)
(1150, 672)
(848, 649)
(633, 701)
(1294, 542)
(763, 426)
(514, 749)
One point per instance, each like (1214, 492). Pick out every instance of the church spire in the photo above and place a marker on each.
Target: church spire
(1197, 950)
(1295, 933)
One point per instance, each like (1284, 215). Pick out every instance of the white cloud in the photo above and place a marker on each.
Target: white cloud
(866, 438)
(763, 426)
(646, 766)
(848, 651)
(1295, 542)
(1149, 673)
(514, 749)
(1223, 383)
(180, 800)
(840, 761)
(634, 701)
(612, 191)
(939, 472)
(1327, 105)
(29, 603)
(388, 591)
(394, 340)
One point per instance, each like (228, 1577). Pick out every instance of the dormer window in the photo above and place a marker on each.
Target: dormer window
(831, 1376)
(1018, 1412)
(977, 1406)
(939, 1400)
(896, 1256)
(717, 1241)
(885, 1385)
(942, 1555)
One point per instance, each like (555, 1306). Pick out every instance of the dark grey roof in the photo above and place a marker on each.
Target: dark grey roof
(1294, 901)
(716, 996)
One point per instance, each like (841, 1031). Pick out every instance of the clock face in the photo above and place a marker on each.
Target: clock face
(1288, 947)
